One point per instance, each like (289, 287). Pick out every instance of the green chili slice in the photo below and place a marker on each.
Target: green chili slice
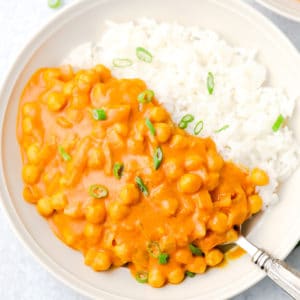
(276, 126)
(195, 250)
(187, 118)
(222, 128)
(142, 187)
(198, 127)
(153, 249)
(99, 114)
(210, 83)
(98, 191)
(150, 126)
(190, 274)
(65, 156)
(183, 125)
(157, 157)
(143, 55)
(141, 276)
(145, 96)
(122, 62)
(54, 3)
(118, 170)
(163, 258)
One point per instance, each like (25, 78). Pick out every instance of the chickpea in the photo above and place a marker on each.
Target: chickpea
(68, 88)
(84, 81)
(121, 129)
(135, 146)
(198, 265)
(183, 256)
(67, 72)
(255, 203)
(140, 258)
(200, 230)
(56, 101)
(231, 235)
(31, 194)
(69, 238)
(173, 168)
(189, 183)
(92, 231)
(80, 100)
(30, 109)
(129, 194)
(212, 181)
(178, 141)
(33, 153)
(176, 275)
(59, 201)
(98, 95)
(44, 207)
(218, 223)
(158, 114)
(203, 199)
(214, 257)
(156, 278)
(193, 162)
(122, 252)
(102, 261)
(27, 125)
(167, 243)
(118, 211)
(89, 256)
(169, 206)
(214, 161)
(259, 177)
(95, 158)
(104, 73)
(95, 213)
(163, 132)
(30, 174)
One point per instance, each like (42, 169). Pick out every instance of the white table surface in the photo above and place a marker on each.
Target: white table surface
(21, 277)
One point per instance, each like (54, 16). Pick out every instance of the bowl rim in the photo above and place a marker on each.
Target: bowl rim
(280, 12)
(15, 69)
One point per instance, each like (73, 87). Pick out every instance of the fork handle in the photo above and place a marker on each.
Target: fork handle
(283, 275)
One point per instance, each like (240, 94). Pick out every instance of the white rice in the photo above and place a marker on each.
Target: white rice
(182, 58)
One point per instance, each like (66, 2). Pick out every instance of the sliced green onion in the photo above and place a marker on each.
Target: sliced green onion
(163, 258)
(187, 118)
(98, 191)
(198, 127)
(99, 114)
(183, 125)
(145, 96)
(118, 170)
(153, 249)
(195, 250)
(150, 126)
(278, 123)
(65, 156)
(54, 3)
(122, 62)
(141, 276)
(210, 83)
(143, 54)
(157, 157)
(222, 128)
(190, 274)
(141, 186)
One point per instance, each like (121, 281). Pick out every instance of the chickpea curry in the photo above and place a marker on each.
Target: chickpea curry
(119, 181)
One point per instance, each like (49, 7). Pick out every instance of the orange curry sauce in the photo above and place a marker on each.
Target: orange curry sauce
(92, 174)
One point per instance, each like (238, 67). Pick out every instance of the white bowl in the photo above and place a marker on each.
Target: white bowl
(278, 229)
(288, 8)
